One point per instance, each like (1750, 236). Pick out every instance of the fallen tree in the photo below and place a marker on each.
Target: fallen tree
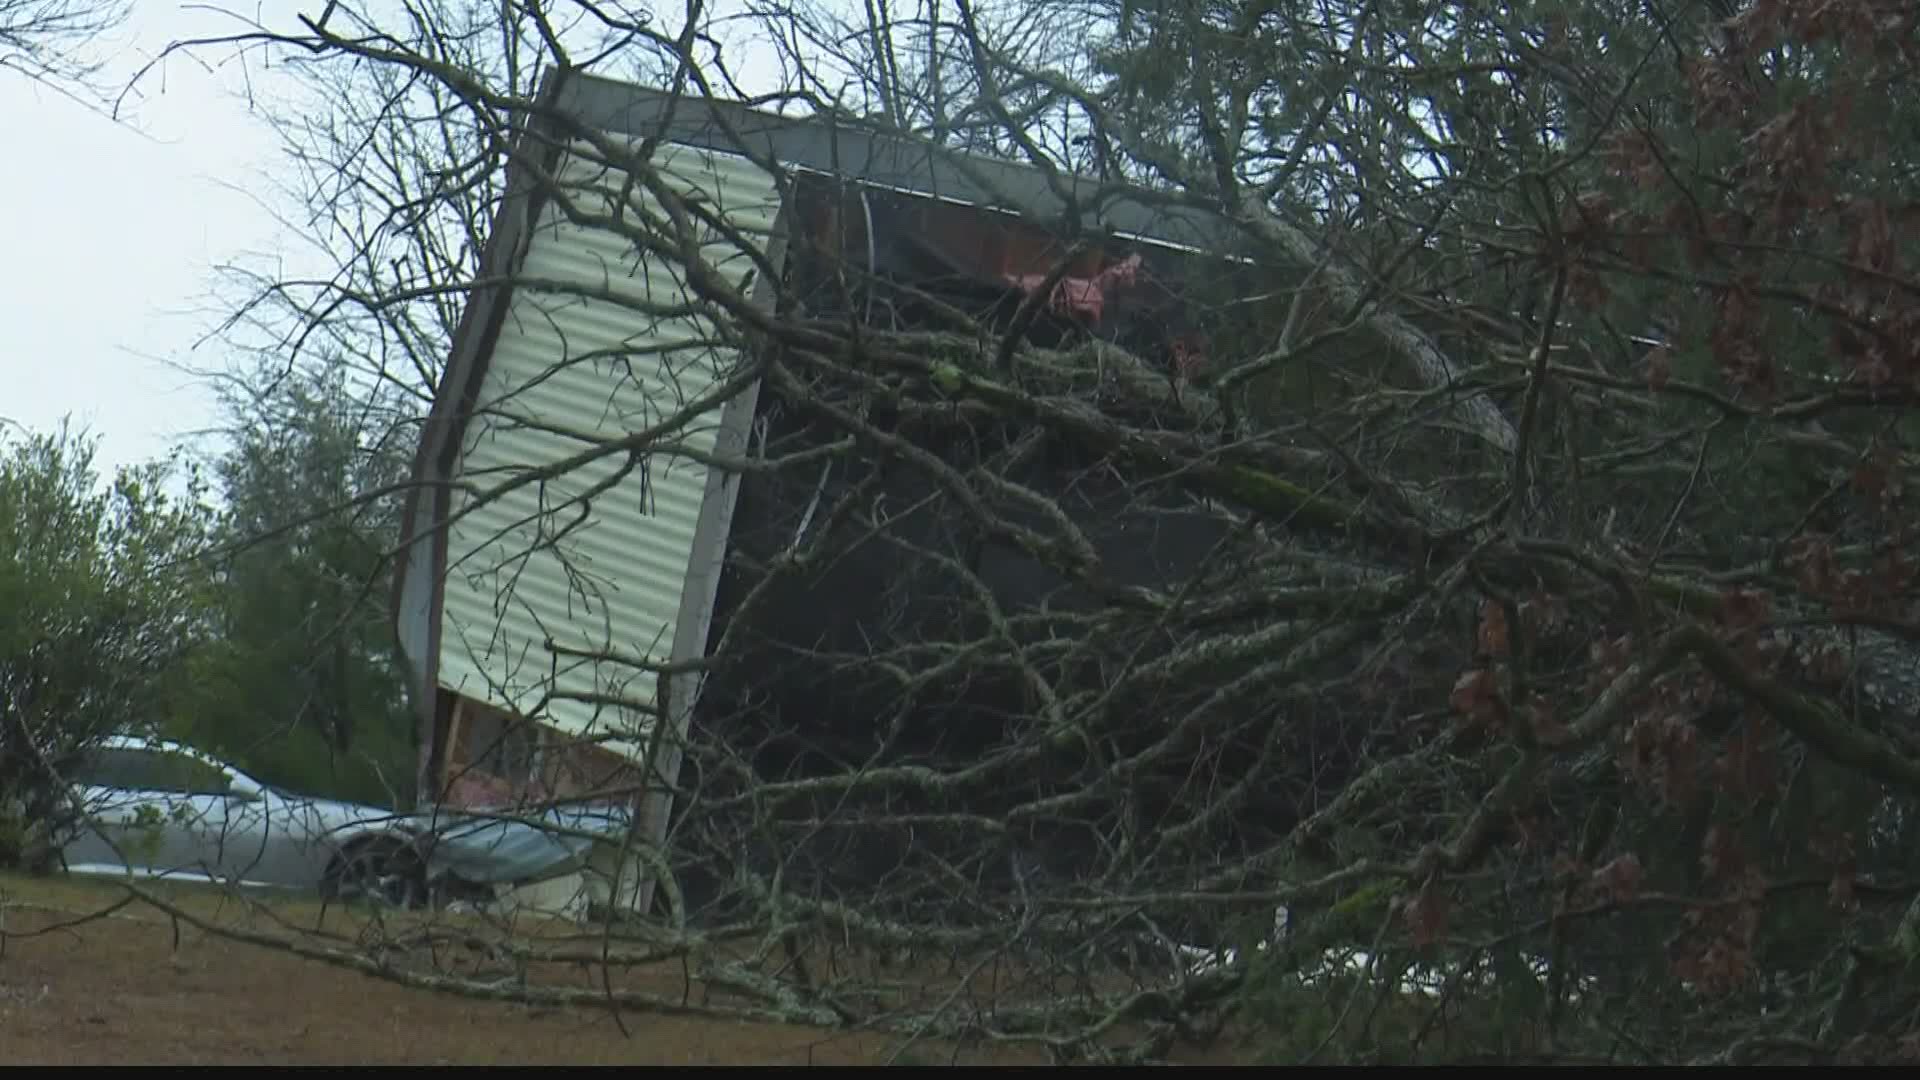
(1542, 594)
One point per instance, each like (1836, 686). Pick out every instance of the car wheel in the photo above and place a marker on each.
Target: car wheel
(385, 871)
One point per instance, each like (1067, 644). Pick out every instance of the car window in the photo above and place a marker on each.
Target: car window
(151, 770)
(106, 768)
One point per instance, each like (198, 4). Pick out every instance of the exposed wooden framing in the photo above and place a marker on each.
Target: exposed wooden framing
(452, 759)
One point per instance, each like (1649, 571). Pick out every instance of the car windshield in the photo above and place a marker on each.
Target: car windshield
(143, 769)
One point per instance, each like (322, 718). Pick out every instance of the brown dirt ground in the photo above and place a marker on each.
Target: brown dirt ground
(117, 990)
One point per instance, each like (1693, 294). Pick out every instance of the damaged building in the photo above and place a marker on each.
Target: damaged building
(556, 600)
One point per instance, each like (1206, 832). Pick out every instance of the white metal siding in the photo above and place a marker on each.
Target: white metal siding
(528, 568)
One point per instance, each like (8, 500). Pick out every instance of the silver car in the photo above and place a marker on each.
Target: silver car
(161, 809)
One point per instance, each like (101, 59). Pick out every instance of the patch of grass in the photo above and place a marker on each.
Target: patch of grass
(134, 988)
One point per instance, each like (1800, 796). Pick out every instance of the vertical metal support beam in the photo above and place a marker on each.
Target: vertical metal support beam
(710, 538)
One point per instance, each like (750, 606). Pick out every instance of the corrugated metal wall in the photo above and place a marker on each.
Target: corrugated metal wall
(605, 575)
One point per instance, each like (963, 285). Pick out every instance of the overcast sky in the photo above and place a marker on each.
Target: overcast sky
(117, 227)
(114, 229)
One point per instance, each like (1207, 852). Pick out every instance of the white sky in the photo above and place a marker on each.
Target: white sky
(116, 229)
(113, 233)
